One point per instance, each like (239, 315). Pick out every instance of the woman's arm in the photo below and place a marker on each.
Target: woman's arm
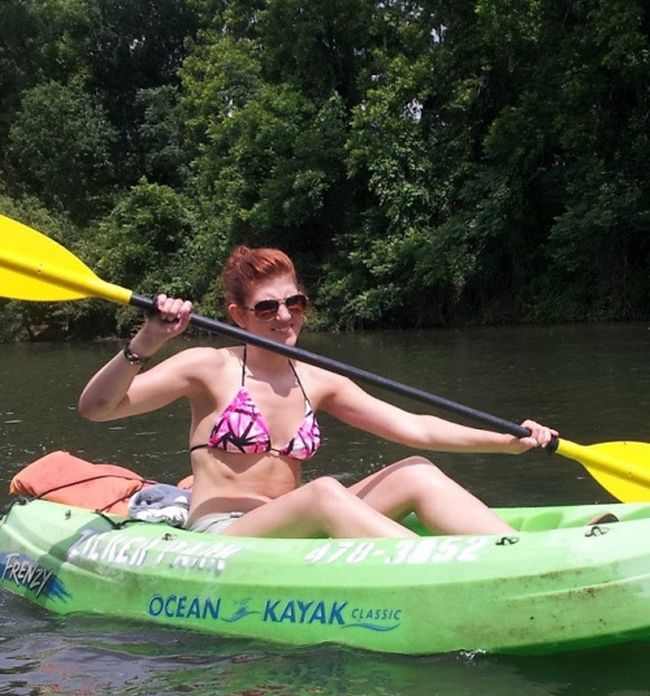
(349, 403)
(118, 390)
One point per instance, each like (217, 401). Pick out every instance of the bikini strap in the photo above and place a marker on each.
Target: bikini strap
(243, 375)
(243, 366)
(302, 389)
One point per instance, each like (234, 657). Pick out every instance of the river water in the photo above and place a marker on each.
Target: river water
(591, 382)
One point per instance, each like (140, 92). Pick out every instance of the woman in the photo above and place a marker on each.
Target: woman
(253, 422)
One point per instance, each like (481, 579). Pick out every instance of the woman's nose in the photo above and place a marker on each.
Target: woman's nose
(283, 313)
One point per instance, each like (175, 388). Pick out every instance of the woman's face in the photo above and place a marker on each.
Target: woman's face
(282, 325)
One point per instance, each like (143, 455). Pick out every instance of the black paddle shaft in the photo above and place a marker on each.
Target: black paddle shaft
(498, 424)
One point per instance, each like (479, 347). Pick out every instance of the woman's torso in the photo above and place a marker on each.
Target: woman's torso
(224, 480)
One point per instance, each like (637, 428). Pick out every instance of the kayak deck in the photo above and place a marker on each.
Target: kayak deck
(558, 583)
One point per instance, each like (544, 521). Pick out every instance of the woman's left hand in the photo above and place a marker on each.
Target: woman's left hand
(540, 436)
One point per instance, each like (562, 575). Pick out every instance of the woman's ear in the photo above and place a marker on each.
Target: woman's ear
(237, 314)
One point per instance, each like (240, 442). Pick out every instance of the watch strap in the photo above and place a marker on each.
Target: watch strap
(133, 358)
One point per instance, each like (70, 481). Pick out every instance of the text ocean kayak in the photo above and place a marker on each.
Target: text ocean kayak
(559, 583)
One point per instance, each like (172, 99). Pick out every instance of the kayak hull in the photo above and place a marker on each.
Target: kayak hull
(557, 584)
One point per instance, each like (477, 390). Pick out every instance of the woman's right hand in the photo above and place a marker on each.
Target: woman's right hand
(171, 320)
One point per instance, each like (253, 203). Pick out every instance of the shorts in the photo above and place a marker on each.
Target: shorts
(216, 523)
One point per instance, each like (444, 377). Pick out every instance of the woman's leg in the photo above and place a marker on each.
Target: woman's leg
(416, 485)
(323, 506)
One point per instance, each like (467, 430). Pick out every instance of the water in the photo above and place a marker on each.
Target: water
(592, 382)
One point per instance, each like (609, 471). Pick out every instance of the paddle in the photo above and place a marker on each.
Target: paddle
(36, 268)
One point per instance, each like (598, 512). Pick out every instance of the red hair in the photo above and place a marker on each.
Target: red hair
(247, 267)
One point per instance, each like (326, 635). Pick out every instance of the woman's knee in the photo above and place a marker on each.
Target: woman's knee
(325, 487)
(416, 466)
(326, 495)
(414, 460)
(417, 477)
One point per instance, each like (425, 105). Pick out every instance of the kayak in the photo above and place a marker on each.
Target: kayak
(561, 582)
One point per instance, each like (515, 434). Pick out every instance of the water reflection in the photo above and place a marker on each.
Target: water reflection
(89, 656)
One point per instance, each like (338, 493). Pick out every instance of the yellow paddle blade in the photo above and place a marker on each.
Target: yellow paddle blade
(35, 267)
(623, 468)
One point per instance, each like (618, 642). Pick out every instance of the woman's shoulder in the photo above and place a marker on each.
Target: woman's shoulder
(322, 382)
(206, 357)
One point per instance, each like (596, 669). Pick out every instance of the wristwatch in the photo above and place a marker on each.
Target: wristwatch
(133, 358)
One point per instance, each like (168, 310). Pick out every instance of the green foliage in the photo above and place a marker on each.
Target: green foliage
(424, 163)
(322, 55)
(271, 160)
(61, 141)
(162, 134)
(137, 45)
(41, 42)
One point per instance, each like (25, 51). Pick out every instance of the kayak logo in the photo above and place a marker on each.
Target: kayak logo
(297, 611)
(291, 611)
(23, 572)
(181, 606)
(193, 607)
(334, 613)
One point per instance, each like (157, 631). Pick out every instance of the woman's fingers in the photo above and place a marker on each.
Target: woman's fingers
(540, 435)
(174, 310)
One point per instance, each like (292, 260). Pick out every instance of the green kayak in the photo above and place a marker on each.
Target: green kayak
(559, 583)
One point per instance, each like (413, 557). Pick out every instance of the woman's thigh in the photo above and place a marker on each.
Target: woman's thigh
(393, 489)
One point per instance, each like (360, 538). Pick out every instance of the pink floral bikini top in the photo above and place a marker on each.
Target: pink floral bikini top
(242, 429)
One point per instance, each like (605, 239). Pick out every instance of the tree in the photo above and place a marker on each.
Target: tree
(162, 133)
(61, 143)
(271, 160)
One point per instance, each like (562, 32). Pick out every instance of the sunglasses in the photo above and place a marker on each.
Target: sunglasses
(268, 309)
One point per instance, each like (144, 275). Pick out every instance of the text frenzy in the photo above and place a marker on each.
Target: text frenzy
(24, 572)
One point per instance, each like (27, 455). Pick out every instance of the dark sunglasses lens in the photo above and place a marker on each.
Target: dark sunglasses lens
(266, 309)
(296, 303)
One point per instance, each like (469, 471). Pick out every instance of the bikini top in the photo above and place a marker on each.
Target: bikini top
(241, 428)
